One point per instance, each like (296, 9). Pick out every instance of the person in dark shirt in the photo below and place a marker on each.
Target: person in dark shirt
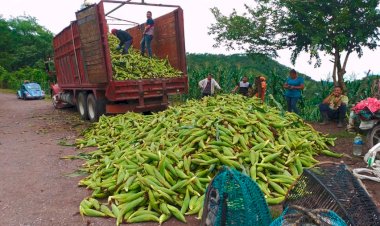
(148, 34)
(243, 86)
(125, 39)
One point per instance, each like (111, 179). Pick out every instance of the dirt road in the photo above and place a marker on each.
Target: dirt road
(35, 189)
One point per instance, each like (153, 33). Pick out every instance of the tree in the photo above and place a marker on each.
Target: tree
(6, 41)
(23, 42)
(335, 27)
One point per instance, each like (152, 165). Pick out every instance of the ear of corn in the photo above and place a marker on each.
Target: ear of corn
(169, 157)
(135, 66)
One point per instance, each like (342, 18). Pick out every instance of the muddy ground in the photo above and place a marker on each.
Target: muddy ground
(36, 188)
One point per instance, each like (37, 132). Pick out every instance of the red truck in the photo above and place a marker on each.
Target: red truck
(84, 71)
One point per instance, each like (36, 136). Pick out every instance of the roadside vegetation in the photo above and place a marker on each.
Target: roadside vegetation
(26, 46)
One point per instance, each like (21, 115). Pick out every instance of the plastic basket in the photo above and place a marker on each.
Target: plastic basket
(335, 188)
(234, 199)
(296, 215)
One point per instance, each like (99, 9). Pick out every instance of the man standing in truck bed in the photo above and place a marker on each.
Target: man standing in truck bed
(148, 34)
(125, 39)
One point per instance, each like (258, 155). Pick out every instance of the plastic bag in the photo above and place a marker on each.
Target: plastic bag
(370, 157)
(372, 163)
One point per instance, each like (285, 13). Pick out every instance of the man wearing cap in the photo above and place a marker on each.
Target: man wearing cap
(125, 39)
(208, 86)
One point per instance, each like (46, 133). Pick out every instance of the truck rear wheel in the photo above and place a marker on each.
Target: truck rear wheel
(96, 108)
(82, 105)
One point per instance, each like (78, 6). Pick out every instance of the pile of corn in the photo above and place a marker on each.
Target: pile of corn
(151, 167)
(135, 66)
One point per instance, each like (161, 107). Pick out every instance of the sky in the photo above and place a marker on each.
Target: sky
(56, 15)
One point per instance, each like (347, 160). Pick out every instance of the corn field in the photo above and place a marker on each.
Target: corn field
(315, 91)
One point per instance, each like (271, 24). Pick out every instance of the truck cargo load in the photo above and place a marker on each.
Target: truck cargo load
(82, 60)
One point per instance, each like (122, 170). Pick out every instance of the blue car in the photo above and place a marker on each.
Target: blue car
(30, 90)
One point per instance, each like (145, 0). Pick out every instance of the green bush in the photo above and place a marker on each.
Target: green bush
(13, 80)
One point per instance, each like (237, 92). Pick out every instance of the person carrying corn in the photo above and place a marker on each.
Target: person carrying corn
(125, 40)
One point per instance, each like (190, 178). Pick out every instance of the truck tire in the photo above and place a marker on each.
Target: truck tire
(96, 108)
(82, 105)
(373, 136)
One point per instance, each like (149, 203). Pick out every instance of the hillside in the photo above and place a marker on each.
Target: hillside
(249, 64)
(229, 69)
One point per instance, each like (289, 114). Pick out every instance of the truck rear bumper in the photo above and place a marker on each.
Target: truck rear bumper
(122, 108)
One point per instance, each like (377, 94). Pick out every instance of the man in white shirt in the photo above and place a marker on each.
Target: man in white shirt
(208, 86)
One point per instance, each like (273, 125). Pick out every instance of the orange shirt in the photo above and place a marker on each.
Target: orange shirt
(263, 89)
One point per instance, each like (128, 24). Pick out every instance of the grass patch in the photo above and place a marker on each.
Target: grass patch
(342, 134)
(8, 91)
(64, 142)
(76, 173)
(11, 91)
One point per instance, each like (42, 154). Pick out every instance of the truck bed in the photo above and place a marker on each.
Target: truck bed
(83, 61)
(144, 94)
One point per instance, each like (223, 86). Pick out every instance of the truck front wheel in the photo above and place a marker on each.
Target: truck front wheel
(82, 105)
(96, 108)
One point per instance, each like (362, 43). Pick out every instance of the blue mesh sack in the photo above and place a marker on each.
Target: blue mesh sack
(234, 199)
(365, 115)
(296, 215)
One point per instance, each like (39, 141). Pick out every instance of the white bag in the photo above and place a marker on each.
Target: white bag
(375, 174)
(364, 125)
(372, 163)
(370, 157)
